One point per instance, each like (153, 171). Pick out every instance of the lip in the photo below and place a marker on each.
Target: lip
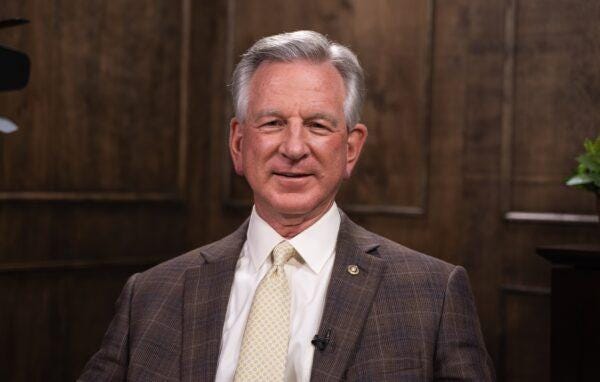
(291, 175)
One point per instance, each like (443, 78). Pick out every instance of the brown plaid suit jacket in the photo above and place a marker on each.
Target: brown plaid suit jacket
(404, 317)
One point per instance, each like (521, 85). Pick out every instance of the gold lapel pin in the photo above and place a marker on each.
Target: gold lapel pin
(353, 269)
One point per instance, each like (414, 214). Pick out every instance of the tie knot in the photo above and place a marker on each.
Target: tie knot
(282, 252)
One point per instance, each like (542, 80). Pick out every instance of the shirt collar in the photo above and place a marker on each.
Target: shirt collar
(316, 244)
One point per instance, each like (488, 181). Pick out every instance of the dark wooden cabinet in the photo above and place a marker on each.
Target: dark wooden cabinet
(575, 306)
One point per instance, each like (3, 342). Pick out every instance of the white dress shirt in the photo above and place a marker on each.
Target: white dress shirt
(308, 277)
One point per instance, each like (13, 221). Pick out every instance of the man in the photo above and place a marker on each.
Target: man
(298, 292)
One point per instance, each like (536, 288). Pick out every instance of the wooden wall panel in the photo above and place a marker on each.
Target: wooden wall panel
(481, 67)
(549, 103)
(494, 251)
(552, 103)
(393, 41)
(103, 132)
(54, 324)
(526, 334)
(93, 186)
(100, 118)
(36, 231)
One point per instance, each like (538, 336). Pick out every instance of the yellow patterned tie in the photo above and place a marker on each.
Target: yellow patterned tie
(265, 344)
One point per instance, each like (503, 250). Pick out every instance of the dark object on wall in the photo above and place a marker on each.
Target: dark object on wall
(575, 343)
(14, 64)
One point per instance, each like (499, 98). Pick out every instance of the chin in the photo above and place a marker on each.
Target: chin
(295, 205)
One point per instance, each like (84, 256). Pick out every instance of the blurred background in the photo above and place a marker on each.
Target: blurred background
(476, 112)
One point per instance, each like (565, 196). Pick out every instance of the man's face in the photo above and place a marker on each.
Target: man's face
(294, 147)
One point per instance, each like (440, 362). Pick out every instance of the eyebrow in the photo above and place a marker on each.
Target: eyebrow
(325, 117)
(312, 117)
(268, 113)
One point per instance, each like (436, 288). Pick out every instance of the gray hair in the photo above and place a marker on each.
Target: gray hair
(300, 45)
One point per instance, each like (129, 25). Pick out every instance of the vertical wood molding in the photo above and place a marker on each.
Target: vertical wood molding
(184, 91)
(228, 111)
(426, 104)
(425, 119)
(508, 126)
(508, 103)
(177, 193)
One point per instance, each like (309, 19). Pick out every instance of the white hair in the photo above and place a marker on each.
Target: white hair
(294, 46)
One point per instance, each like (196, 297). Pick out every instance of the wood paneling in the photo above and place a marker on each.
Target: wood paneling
(54, 324)
(525, 334)
(93, 186)
(101, 116)
(551, 100)
(393, 174)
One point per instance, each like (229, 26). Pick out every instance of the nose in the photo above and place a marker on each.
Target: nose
(294, 145)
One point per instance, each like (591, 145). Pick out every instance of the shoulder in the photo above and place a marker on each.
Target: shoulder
(395, 255)
(405, 269)
(399, 257)
(171, 270)
(160, 289)
(175, 268)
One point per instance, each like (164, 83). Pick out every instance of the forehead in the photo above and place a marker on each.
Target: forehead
(299, 84)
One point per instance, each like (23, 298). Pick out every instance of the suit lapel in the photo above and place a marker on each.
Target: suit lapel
(206, 294)
(348, 300)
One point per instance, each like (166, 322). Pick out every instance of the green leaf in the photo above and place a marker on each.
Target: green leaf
(595, 177)
(590, 162)
(578, 180)
(592, 147)
(587, 175)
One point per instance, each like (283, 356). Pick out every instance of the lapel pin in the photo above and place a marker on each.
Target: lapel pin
(353, 269)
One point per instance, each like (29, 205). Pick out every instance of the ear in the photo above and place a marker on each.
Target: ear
(356, 141)
(235, 145)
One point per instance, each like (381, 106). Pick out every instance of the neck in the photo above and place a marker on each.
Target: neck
(290, 225)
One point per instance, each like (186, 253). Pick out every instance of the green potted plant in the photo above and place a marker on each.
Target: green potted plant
(587, 175)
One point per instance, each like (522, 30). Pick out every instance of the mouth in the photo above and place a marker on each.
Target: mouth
(292, 175)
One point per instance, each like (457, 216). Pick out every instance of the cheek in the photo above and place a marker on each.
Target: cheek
(255, 153)
(333, 153)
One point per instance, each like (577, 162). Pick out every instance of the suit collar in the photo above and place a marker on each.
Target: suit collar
(227, 247)
(349, 299)
(206, 293)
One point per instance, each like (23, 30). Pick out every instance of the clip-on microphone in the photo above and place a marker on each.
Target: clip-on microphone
(321, 342)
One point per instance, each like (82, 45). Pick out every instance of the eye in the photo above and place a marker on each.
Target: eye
(273, 123)
(319, 127)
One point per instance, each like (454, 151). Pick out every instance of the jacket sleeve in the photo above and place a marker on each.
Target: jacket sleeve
(460, 351)
(110, 362)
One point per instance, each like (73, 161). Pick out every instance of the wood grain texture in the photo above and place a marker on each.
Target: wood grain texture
(553, 101)
(93, 185)
(54, 324)
(525, 334)
(102, 110)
